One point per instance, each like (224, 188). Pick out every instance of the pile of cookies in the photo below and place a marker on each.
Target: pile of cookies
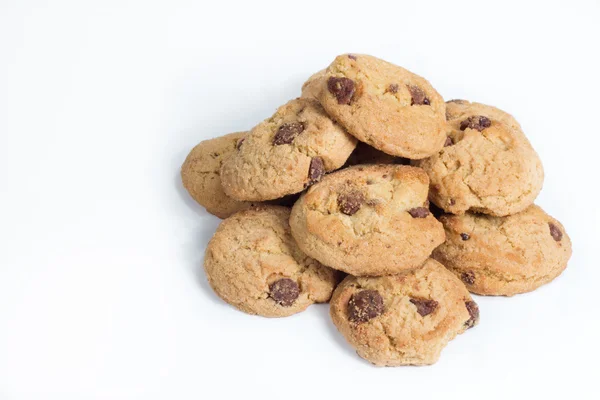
(401, 206)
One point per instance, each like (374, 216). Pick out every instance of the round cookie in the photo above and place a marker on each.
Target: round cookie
(286, 153)
(368, 220)
(311, 88)
(487, 164)
(504, 255)
(200, 174)
(253, 264)
(404, 319)
(384, 105)
(365, 154)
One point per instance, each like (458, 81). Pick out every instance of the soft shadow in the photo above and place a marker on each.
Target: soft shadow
(335, 335)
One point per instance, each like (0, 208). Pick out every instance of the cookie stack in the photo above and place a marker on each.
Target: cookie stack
(359, 157)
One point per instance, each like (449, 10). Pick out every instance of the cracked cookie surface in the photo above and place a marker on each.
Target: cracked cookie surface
(200, 174)
(504, 255)
(253, 263)
(286, 153)
(382, 104)
(487, 164)
(368, 220)
(403, 319)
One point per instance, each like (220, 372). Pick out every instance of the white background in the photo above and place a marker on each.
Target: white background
(102, 294)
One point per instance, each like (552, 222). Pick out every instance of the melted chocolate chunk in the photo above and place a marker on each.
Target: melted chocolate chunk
(365, 305)
(473, 309)
(418, 96)
(424, 306)
(419, 212)
(284, 291)
(349, 203)
(465, 236)
(342, 88)
(555, 232)
(316, 170)
(468, 277)
(477, 122)
(287, 133)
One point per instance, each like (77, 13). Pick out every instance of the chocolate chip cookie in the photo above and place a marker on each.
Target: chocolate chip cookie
(504, 255)
(403, 319)
(200, 174)
(253, 263)
(487, 164)
(384, 105)
(286, 153)
(368, 220)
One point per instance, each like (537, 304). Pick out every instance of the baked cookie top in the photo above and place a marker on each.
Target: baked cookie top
(312, 86)
(504, 255)
(286, 153)
(368, 220)
(253, 263)
(403, 319)
(200, 174)
(384, 105)
(487, 164)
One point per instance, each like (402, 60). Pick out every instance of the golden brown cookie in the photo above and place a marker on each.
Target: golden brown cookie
(403, 319)
(253, 263)
(384, 105)
(311, 88)
(504, 255)
(286, 153)
(200, 174)
(368, 220)
(487, 164)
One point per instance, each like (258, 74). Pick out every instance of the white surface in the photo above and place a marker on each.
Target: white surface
(102, 294)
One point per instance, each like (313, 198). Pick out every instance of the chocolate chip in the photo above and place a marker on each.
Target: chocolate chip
(349, 203)
(384, 176)
(239, 143)
(477, 122)
(365, 305)
(393, 88)
(342, 88)
(468, 277)
(555, 232)
(418, 212)
(465, 236)
(424, 306)
(457, 101)
(452, 201)
(288, 132)
(449, 142)
(284, 291)
(316, 170)
(352, 56)
(473, 309)
(418, 96)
